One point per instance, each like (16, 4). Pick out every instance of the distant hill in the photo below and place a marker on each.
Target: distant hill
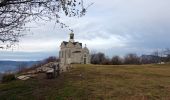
(13, 65)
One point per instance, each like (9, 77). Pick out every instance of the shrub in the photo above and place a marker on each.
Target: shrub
(8, 77)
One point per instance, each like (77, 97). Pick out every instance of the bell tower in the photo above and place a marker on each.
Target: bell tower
(71, 37)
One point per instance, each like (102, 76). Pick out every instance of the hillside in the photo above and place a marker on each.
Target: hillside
(95, 82)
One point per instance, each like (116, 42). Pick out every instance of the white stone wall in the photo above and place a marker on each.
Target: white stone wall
(69, 54)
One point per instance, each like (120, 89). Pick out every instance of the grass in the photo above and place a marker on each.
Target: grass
(95, 82)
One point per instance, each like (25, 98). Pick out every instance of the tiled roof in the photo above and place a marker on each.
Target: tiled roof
(74, 43)
(65, 43)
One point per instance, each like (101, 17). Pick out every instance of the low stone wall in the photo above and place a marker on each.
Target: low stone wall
(48, 68)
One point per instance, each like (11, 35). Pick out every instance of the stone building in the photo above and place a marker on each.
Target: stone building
(72, 52)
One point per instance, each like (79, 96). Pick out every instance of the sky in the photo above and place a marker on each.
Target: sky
(114, 27)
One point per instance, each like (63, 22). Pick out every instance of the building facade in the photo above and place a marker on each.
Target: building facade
(72, 52)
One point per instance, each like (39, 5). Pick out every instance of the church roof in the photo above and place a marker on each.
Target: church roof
(74, 43)
(65, 43)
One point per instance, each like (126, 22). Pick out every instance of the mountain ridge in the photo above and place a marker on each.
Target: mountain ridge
(8, 65)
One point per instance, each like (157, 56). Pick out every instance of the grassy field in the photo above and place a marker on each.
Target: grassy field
(95, 82)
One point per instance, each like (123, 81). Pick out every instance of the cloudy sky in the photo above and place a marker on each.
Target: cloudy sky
(115, 27)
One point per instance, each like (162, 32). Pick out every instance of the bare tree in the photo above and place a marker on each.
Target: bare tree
(51, 59)
(116, 60)
(156, 58)
(106, 61)
(131, 59)
(166, 53)
(98, 58)
(14, 14)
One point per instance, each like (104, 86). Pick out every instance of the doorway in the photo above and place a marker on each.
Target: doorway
(84, 60)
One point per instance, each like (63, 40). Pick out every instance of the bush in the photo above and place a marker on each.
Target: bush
(8, 77)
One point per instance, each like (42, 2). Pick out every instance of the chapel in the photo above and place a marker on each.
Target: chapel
(72, 52)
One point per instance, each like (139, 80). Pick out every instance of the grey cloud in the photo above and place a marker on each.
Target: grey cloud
(139, 26)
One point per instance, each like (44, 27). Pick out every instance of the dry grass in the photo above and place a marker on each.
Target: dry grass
(95, 82)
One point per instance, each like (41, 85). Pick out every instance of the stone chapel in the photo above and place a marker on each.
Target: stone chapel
(72, 52)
